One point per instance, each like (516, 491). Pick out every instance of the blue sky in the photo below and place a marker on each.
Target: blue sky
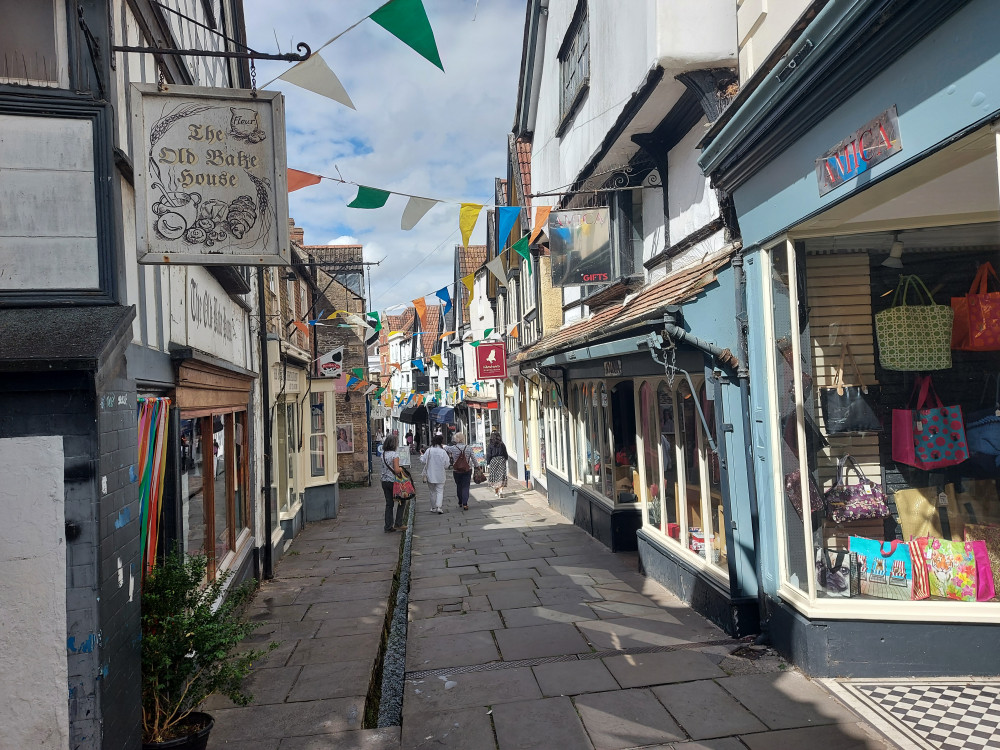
(416, 129)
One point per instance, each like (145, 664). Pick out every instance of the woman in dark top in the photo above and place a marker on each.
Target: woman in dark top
(496, 464)
(389, 470)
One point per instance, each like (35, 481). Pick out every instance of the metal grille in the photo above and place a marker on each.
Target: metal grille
(497, 665)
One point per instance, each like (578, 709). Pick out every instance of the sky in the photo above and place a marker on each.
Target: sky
(416, 129)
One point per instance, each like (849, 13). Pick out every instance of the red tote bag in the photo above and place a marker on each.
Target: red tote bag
(930, 435)
(976, 326)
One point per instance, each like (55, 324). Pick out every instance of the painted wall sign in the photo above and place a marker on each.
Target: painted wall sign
(491, 361)
(580, 246)
(214, 323)
(286, 379)
(210, 176)
(612, 368)
(871, 144)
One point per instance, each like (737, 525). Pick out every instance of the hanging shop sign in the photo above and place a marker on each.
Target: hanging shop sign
(331, 364)
(580, 246)
(871, 144)
(210, 176)
(491, 361)
(379, 411)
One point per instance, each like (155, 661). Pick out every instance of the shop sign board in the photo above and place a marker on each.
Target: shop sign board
(331, 364)
(580, 247)
(286, 379)
(612, 368)
(871, 144)
(216, 324)
(491, 361)
(210, 176)
(379, 411)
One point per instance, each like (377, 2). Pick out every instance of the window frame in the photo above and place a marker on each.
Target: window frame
(60, 37)
(574, 66)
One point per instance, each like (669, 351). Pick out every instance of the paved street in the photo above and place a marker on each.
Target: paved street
(523, 633)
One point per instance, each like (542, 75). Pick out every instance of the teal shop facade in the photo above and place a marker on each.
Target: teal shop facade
(867, 153)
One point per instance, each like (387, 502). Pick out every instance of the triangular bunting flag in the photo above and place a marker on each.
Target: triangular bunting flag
(437, 359)
(370, 389)
(469, 281)
(420, 305)
(521, 248)
(487, 332)
(415, 210)
(369, 197)
(298, 179)
(420, 365)
(445, 335)
(513, 331)
(302, 327)
(313, 74)
(351, 380)
(407, 21)
(496, 267)
(468, 215)
(506, 216)
(376, 320)
(474, 344)
(445, 296)
(541, 216)
(357, 372)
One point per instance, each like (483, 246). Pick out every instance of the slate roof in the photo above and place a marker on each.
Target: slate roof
(678, 287)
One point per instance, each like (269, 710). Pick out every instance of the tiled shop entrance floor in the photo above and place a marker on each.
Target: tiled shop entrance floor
(937, 714)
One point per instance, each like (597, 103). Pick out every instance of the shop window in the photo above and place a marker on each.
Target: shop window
(317, 434)
(691, 452)
(543, 428)
(33, 40)
(622, 434)
(589, 457)
(714, 472)
(652, 488)
(603, 442)
(669, 449)
(214, 484)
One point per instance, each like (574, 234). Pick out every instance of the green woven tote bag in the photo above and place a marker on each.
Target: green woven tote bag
(914, 337)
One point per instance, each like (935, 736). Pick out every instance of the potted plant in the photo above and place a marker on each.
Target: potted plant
(190, 634)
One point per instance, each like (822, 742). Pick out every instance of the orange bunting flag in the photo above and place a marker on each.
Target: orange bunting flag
(420, 305)
(298, 179)
(513, 332)
(302, 327)
(445, 335)
(541, 216)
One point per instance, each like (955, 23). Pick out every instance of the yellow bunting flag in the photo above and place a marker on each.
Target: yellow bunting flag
(420, 305)
(436, 359)
(468, 215)
(469, 281)
(541, 216)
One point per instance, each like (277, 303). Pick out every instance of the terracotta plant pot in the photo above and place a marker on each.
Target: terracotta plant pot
(195, 741)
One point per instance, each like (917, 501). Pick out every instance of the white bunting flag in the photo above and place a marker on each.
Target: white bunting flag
(415, 210)
(315, 75)
(497, 269)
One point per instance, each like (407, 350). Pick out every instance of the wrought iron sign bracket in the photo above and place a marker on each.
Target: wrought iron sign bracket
(248, 55)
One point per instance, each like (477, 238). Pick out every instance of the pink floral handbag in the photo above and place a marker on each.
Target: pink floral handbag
(952, 568)
(854, 502)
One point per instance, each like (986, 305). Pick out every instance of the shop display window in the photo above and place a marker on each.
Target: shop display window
(654, 489)
(214, 484)
(622, 434)
(883, 503)
(317, 434)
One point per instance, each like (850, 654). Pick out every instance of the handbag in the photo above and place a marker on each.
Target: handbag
(921, 575)
(976, 326)
(793, 489)
(982, 433)
(478, 475)
(984, 572)
(833, 572)
(848, 408)
(854, 502)
(914, 337)
(952, 567)
(402, 484)
(885, 569)
(990, 538)
(928, 438)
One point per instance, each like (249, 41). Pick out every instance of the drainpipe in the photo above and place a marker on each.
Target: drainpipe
(676, 333)
(743, 375)
(265, 395)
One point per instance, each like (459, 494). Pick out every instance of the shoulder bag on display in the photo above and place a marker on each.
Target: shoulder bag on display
(849, 408)
(921, 576)
(833, 572)
(984, 572)
(793, 488)
(952, 568)
(989, 538)
(854, 502)
(914, 337)
(977, 315)
(930, 435)
(885, 568)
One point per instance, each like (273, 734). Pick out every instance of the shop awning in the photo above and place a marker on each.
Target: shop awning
(443, 414)
(473, 403)
(414, 415)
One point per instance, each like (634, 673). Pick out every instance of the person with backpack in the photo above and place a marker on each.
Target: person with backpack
(463, 461)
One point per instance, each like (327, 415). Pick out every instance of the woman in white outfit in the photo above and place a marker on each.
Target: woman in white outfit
(436, 461)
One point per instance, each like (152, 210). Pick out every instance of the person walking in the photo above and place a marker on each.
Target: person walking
(435, 460)
(496, 464)
(390, 469)
(463, 462)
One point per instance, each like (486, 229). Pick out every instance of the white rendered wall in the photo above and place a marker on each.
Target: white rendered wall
(761, 25)
(692, 202)
(34, 710)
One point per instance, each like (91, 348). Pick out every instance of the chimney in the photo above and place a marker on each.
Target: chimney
(296, 234)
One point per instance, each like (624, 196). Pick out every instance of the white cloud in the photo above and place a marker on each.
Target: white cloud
(416, 129)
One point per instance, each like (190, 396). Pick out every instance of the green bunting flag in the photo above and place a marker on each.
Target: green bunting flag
(407, 21)
(521, 248)
(357, 372)
(475, 343)
(487, 332)
(378, 321)
(369, 197)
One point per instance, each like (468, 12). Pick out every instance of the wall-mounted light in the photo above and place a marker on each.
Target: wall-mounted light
(895, 259)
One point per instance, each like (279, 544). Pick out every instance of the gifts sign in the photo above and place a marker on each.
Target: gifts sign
(210, 176)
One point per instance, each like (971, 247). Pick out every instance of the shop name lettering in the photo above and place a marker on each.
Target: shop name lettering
(213, 157)
(208, 312)
(873, 143)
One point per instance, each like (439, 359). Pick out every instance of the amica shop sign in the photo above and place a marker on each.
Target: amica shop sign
(871, 144)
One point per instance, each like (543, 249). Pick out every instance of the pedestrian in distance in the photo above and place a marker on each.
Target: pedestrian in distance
(463, 461)
(436, 460)
(389, 471)
(496, 464)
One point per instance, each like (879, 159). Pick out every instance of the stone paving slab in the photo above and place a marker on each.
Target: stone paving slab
(547, 723)
(555, 639)
(786, 700)
(640, 670)
(574, 677)
(464, 729)
(706, 711)
(626, 718)
(460, 649)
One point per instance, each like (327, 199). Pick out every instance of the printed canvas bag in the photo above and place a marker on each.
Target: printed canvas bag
(914, 337)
